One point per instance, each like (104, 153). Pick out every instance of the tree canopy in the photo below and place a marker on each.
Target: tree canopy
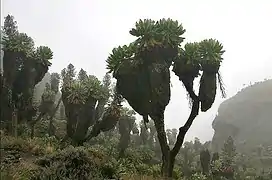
(143, 76)
(24, 66)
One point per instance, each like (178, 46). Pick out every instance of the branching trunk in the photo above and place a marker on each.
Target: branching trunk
(182, 132)
(168, 156)
(41, 115)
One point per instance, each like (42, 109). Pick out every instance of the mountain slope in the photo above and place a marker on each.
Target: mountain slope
(247, 117)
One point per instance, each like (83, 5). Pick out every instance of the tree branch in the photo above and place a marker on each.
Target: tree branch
(183, 130)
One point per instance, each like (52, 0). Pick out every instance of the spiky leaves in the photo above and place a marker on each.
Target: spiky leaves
(132, 82)
(204, 56)
(20, 53)
(211, 52)
(43, 54)
(164, 34)
(143, 77)
(19, 42)
(142, 68)
(22, 44)
(80, 97)
(80, 91)
(24, 65)
(186, 65)
(77, 93)
(119, 57)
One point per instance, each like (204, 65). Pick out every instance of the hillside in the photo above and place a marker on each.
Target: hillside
(247, 117)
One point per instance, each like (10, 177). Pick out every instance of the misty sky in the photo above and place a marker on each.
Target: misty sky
(83, 32)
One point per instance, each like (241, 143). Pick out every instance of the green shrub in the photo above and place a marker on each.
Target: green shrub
(73, 163)
(35, 146)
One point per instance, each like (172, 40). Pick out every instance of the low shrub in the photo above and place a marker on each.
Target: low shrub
(73, 163)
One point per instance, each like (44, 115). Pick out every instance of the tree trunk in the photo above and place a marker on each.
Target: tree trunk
(123, 143)
(159, 124)
(168, 156)
(32, 126)
(15, 123)
(51, 126)
(205, 160)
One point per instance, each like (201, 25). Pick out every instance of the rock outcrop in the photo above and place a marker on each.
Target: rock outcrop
(247, 117)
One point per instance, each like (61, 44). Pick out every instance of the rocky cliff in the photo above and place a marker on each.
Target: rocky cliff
(247, 117)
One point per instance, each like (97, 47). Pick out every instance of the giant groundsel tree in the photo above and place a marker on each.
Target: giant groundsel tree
(84, 99)
(142, 71)
(24, 65)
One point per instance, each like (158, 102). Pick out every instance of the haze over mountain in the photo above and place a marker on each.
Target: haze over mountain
(247, 117)
(242, 26)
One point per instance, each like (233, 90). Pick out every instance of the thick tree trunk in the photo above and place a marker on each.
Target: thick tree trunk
(51, 128)
(159, 124)
(168, 156)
